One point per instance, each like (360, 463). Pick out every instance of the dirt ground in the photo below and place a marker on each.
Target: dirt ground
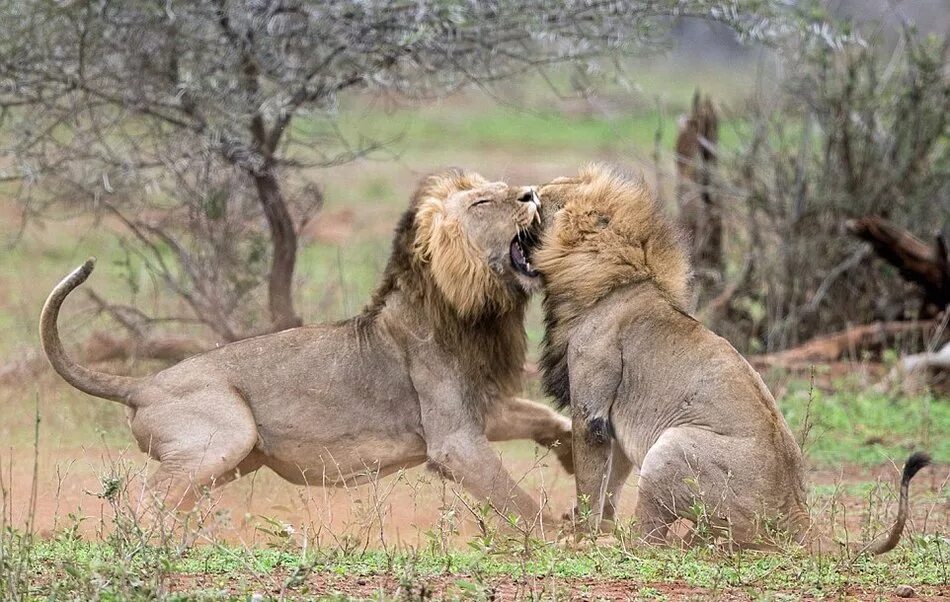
(71, 483)
(73, 480)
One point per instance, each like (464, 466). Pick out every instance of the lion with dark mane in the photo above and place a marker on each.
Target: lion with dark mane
(428, 372)
(652, 388)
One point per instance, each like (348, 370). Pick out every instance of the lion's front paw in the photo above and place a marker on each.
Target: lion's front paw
(565, 455)
(567, 461)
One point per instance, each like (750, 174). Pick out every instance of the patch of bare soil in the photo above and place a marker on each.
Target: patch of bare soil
(929, 512)
(409, 509)
(261, 508)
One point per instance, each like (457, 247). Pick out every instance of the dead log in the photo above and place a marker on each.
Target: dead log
(917, 262)
(920, 371)
(104, 347)
(848, 343)
(142, 343)
(101, 346)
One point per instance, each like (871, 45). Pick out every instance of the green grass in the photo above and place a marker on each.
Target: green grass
(531, 120)
(438, 129)
(65, 567)
(122, 563)
(865, 427)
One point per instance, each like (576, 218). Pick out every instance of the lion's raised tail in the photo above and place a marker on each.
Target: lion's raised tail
(100, 384)
(887, 541)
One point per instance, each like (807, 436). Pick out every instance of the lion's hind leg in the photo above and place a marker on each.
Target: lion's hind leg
(201, 441)
(691, 473)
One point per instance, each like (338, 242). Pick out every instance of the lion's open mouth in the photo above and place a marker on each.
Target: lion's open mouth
(520, 252)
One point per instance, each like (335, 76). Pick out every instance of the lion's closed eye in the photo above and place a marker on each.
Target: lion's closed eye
(480, 202)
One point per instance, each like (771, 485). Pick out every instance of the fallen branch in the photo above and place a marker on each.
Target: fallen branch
(922, 361)
(104, 347)
(141, 343)
(848, 343)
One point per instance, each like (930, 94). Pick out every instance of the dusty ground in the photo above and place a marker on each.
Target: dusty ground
(71, 481)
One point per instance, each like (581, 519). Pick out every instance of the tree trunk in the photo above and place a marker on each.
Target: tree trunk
(284, 241)
(700, 210)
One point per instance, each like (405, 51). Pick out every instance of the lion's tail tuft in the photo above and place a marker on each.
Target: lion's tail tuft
(888, 541)
(914, 464)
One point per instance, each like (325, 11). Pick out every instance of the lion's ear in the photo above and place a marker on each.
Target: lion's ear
(456, 267)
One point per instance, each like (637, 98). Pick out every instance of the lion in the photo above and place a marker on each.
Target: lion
(650, 387)
(427, 373)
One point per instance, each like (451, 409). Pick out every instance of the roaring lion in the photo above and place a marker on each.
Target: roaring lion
(426, 373)
(651, 387)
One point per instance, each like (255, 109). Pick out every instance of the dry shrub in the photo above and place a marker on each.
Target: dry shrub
(850, 133)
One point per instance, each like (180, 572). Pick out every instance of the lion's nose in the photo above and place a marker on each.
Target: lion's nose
(529, 196)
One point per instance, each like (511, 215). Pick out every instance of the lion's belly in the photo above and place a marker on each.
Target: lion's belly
(347, 460)
(333, 408)
(320, 439)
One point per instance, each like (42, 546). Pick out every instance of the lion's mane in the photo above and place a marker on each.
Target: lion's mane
(608, 232)
(474, 316)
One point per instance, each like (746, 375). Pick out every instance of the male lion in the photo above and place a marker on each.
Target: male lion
(427, 372)
(650, 386)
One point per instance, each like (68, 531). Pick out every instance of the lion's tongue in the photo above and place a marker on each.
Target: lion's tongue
(520, 261)
(517, 253)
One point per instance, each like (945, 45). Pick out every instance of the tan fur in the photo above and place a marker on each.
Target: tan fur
(419, 376)
(650, 387)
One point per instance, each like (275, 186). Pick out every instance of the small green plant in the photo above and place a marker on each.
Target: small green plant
(650, 593)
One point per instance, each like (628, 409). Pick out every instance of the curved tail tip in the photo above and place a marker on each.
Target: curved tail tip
(88, 266)
(914, 463)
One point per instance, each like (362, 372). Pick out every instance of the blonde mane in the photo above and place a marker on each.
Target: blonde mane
(610, 233)
(470, 314)
(456, 267)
